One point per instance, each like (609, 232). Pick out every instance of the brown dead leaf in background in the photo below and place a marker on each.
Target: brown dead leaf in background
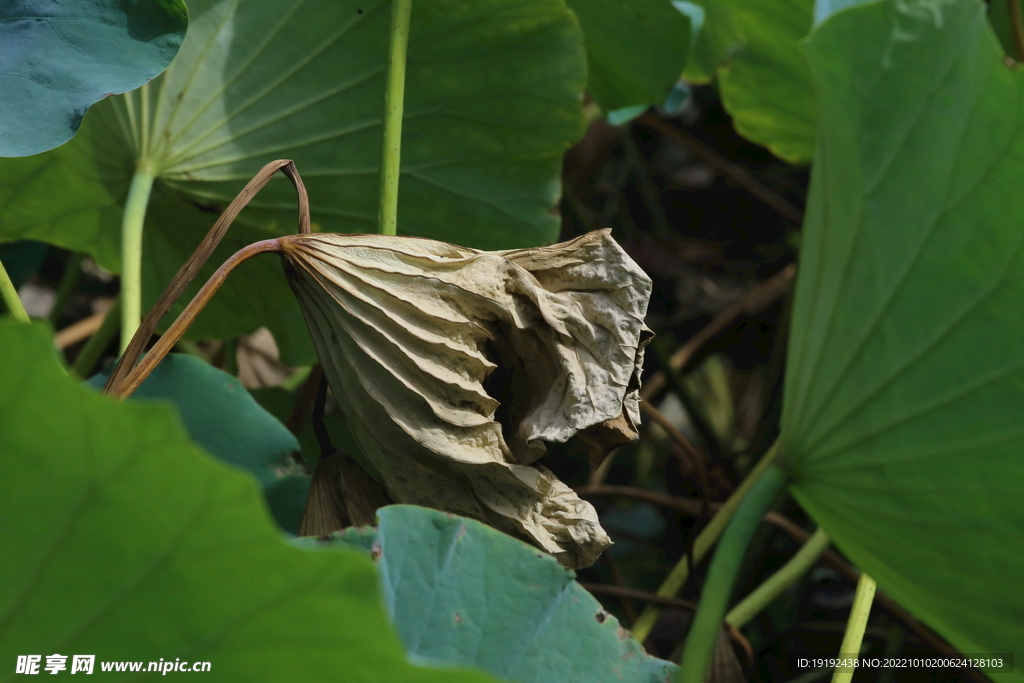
(259, 361)
(454, 366)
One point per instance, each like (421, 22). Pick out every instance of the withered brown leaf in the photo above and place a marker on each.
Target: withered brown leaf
(454, 366)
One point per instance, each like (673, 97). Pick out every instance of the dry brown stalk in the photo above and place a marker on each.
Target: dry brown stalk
(131, 379)
(180, 282)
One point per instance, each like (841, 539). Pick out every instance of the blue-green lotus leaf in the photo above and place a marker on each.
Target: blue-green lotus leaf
(461, 592)
(59, 58)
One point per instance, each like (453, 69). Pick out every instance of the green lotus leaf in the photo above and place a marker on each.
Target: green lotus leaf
(636, 50)
(492, 101)
(59, 58)
(764, 80)
(286, 498)
(123, 540)
(461, 592)
(904, 395)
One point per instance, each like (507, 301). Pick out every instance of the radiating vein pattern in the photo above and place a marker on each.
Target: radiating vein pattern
(904, 400)
(493, 99)
(306, 82)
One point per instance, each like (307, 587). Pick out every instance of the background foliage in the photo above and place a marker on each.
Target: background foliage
(897, 402)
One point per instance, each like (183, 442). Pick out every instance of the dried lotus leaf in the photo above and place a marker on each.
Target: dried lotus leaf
(454, 366)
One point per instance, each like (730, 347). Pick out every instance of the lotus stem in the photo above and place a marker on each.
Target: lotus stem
(10, 296)
(854, 635)
(178, 328)
(707, 623)
(394, 104)
(677, 577)
(786, 576)
(131, 251)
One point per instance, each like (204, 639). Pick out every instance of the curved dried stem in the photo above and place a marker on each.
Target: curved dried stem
(134, 377)
(191, 267)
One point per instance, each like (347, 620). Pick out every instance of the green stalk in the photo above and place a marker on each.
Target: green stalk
(66, 286)
(705, 539)
(394, 104)
(786, 576)
(10, 296)
(90, 354)
(131, 251)
(854, 635)
(707, 623)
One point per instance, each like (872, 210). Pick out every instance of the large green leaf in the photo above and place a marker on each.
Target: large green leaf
(492, 101)
(219, 414)
(461, 592)
(58, 58)
(765, 83)
(123, 540)
(904, 399)
(636, 49)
